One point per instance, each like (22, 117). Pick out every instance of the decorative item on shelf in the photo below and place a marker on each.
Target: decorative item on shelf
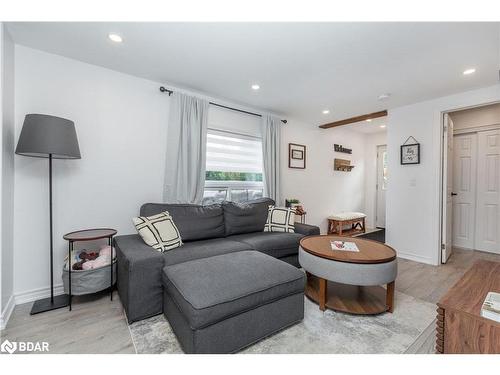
(290, 202)
(296, 156)
(340, 148)
(342, 165)
(51, 137)
(410, 152)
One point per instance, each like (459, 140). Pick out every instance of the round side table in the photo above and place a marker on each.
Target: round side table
(349, 281)
(89, 235)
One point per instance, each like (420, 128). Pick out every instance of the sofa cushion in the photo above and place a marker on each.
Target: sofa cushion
(158, 231)
(195, 222)
(203, 249)
(229, 284)
(280, 219)
(271, 243)
(246, 217)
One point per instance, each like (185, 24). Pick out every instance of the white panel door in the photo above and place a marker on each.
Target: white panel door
(381, 185)
(464, 186)
(488, 192)
(447, 219)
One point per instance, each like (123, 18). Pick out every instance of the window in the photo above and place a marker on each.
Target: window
(233, 168)
(384, 170)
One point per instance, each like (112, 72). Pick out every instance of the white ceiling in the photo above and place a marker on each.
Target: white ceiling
(369, 127)
(302, 68)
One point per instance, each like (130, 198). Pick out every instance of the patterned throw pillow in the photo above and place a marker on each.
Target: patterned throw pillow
(280, 219)
(158, 231)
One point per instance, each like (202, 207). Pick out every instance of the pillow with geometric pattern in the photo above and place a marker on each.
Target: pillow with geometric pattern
(280, 219)
(158, 231)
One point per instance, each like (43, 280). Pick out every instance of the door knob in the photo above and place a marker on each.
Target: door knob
(453, 194)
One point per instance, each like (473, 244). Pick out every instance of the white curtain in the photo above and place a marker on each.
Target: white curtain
(271, 152)
(186, 150)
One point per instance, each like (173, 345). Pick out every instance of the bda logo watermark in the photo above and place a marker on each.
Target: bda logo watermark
(23, 346)
(8, 347)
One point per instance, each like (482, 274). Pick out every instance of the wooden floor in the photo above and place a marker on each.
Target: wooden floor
(97, 325)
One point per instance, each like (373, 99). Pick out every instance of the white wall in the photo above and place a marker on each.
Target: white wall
(370, 145)
(413, 196)
(7, 176)
(320, 189)
(121, 125)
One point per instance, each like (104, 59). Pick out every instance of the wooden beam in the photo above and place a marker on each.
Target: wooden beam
(354, 119)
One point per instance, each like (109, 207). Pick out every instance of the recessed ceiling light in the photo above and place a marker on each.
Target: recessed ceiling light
(384, 96)
(115, 38)
(369, 120)
(382, 126)
(255, 86)
(326, 111)
(469, 71)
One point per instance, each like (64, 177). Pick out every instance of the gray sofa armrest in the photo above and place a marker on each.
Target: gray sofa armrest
(306, 229)
(139, 277)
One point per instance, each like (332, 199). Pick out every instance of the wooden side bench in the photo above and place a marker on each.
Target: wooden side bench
(355, 221)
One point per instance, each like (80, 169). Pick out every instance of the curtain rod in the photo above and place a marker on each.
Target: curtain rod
(170, 92)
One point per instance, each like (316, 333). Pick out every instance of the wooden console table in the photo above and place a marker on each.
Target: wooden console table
(460, 327)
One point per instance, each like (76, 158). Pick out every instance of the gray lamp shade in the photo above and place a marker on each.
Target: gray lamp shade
(44, 135)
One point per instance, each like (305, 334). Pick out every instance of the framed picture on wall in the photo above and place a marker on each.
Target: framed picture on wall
(410, 154)
(296, 156)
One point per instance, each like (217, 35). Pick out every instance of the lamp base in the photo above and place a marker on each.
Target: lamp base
(47, 304)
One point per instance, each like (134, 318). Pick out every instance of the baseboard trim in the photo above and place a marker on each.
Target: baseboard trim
(7, 312)
(416, 258)
(36, 294)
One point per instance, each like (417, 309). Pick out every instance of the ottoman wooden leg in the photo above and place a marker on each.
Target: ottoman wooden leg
(322, 294)
(390, 297)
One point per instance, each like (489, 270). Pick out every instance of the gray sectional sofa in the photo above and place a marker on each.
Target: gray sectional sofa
(210, 233)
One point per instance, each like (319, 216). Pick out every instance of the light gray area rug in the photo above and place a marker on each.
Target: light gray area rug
(319, 332)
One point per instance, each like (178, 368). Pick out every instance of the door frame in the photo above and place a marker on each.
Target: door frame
(377, 187)
(441, 169)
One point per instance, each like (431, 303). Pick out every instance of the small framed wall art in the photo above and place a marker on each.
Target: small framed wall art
(296, 156)
(410, 151)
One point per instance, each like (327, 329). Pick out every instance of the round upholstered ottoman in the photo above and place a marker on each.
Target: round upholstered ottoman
(346, 280)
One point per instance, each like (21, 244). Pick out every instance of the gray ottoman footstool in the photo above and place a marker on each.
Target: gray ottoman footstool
(224, 303)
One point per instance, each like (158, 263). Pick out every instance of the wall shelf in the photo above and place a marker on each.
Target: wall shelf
(342, 165)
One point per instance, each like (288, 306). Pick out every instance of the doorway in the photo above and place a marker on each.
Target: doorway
(471, 180)
(381, 186)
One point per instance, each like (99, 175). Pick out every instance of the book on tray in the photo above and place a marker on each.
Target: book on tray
(344, 246)
(491, 307)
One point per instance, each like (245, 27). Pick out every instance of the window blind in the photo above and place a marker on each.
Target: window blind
(229, 152)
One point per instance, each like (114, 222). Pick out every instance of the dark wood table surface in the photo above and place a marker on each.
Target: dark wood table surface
(90, 234)
(460, 327)
(369, 251)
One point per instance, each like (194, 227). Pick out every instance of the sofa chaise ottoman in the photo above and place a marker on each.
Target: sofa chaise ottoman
(226, 302)
(206, 231)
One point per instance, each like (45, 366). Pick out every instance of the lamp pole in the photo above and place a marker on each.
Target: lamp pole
(51, 234)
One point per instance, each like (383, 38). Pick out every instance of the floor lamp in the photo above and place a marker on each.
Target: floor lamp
(44, 136)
